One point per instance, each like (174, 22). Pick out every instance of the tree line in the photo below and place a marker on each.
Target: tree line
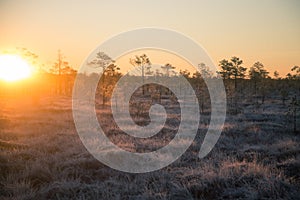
(254, 84)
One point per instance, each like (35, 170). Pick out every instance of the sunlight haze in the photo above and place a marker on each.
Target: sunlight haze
(266, 31)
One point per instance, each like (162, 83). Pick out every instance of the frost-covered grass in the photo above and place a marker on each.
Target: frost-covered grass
(257, 157)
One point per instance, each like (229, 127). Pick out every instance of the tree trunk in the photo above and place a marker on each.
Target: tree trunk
(295, 119)
(143, 80)
(103, 90)
(235, 83)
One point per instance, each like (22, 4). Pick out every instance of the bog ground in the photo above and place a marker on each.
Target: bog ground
(42, 157)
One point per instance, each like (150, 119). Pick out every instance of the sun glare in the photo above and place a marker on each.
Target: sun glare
(14, 68)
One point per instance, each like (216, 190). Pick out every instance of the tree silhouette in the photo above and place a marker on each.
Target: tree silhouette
(232, 69)
(296, 69)
(199, 83)
(238, 71)
(226, 69)
(258, 74)
(141, 61)
(205, 71)
(111, 76)
(148, 71)
(289, 76)
(167, 67)
(103, 61)
(60, 68)
(185, 73)
(296, 76)
(293, 110)
(276, 74)
(28, 55)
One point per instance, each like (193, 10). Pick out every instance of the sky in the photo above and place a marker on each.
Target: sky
(255, 30)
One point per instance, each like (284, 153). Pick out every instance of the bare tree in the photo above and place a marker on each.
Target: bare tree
(141, 61)
(60, 68)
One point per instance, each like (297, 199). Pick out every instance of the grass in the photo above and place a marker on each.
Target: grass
(42, 157)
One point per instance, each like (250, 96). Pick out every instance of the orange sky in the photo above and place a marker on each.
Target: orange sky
(257, 30)
(157, 57)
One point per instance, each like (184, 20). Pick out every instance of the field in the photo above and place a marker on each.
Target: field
(150, 100)
(42, 157)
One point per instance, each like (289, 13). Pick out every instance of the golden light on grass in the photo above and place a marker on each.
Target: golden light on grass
(14, 68)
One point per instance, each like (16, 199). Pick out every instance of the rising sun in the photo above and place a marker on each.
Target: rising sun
(14, 68)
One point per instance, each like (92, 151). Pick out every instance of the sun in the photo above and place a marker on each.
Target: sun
(14, 68)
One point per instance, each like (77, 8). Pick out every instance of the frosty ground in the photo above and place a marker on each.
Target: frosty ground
(42, 157)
